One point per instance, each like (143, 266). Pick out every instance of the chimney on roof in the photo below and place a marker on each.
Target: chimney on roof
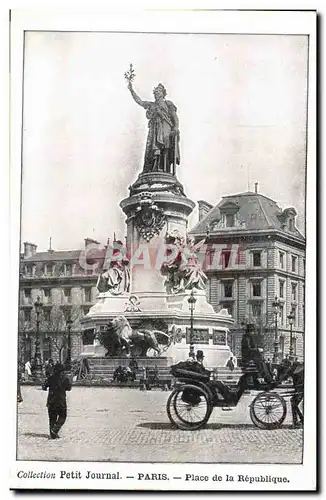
(29, 249)
(90, 241)
(50, 246)
(256, 187)
(203, 209)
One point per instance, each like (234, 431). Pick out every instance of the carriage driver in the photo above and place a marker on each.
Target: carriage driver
(251, 352)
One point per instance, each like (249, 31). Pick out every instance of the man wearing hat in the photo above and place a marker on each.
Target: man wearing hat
(250, 352)
(58, 383)
(200, 357)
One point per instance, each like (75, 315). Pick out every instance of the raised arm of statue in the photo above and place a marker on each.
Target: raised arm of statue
(136, 98)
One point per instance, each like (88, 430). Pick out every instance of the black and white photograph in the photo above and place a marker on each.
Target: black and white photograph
(163, 251)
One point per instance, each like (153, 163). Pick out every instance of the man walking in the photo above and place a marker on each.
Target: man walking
(58, 383)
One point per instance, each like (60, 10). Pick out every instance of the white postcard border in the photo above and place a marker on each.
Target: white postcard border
(300, 477)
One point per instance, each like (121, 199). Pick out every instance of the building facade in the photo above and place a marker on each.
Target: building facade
(65, 281)
(255, 262)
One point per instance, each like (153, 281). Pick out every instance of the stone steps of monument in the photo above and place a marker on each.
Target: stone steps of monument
(101, 368)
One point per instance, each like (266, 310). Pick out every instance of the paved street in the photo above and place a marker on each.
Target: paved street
(109, 424)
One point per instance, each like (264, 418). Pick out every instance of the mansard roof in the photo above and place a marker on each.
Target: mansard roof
(256, 212)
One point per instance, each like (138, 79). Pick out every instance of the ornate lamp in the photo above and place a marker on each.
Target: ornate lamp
(192, 302)
(68, 360)
(276, 310)
(291, 318)
(37, 357)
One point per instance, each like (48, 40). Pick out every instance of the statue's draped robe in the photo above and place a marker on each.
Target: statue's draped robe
(160, 141)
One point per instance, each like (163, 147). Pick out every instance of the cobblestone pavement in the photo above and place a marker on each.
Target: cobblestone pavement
(129, 425)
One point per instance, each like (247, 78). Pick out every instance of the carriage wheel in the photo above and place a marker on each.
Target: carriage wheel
(189, 407)
(268, 410)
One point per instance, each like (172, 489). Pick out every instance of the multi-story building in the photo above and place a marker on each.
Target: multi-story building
(67, 289)
(255, 253)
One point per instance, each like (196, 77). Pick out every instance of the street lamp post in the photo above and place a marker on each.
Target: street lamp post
(276, 309)
(192, 301)
(68, 360)
(49, 340)
(291, 321)
(37, 357)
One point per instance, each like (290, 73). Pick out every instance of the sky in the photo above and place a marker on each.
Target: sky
(241, 103)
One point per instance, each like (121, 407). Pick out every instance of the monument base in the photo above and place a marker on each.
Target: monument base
(104, 367)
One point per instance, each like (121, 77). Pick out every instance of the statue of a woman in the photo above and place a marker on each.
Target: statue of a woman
(162, 147)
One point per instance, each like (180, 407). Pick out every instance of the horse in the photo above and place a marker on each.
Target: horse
(296, 372)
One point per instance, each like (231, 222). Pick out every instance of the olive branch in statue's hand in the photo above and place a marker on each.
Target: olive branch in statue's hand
(130, 75)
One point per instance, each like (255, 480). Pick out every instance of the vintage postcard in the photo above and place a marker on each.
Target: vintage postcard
(163, 176)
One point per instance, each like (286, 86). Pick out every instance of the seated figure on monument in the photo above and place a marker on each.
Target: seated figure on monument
(162, 147)
(116, 279)
(183, 270)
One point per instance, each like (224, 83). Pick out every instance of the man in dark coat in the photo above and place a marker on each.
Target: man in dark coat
(58, 383)
(251, 352)
(49, 367)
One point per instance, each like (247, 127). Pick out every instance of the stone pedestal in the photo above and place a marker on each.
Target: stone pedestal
(156, 206)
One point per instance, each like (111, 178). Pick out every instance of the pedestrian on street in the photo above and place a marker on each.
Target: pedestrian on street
(28, 370)
(49, 365)
(19, 394)
(192, 355)
(231, 364)
(58, 383)
(251, 353)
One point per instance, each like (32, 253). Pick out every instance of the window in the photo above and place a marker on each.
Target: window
(68, 269)
(256, 259)
(46, 295)
(256, 311)
(294, 311)
(281, 314)
(27, 296)
(30, 270)
(294, 345)
(49, 269)
(281, 287)
(293, 292)
(27, 316)
(256, 289)
(88, 294)
(228, 289)
(67, 294)
(282, 260)
(229, 220)
(225, 256)
(47, 315)
(281, 340)
(294, 264)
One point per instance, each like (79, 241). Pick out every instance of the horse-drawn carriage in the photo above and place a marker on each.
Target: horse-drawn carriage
(195, 395)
